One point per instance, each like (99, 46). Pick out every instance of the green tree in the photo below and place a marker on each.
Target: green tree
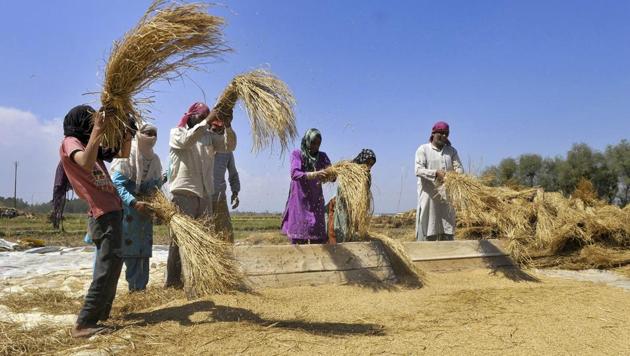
(529, 166)
(618, 159)
(579, 163)
(507, 170)
(548, 177)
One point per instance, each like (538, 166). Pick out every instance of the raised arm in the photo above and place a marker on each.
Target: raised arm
(181, 138)
(87, 158)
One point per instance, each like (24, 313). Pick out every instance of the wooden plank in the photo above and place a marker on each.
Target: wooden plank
(354, 276)
(283, 259)
(447, 250)
(463, 264)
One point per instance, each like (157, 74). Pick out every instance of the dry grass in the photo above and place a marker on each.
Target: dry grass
(153, 296)
(537, 223)
(269, 104)
(208, 262)
(406, 271)
(354, 186)
(41, 340)
(167, 40)
(471, 312)
(44, 300)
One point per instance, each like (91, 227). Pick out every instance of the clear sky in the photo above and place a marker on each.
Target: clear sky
(511, 77)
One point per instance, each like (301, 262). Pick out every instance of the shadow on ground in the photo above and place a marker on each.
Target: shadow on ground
(220, 313)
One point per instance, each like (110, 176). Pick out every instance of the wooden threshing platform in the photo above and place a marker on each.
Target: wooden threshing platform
(360, 262)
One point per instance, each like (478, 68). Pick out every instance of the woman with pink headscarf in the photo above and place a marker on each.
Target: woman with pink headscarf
(191, 170)
(435, 217)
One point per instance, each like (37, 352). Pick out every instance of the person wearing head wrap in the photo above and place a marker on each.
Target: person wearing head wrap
(337, 208)
(191, 170)
(435, 216)
(80, 129)
(86, 173)
(224, 162)
(303, 220)
(135, 177)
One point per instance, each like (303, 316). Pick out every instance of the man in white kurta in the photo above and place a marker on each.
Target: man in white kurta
(191, 170)
(435, 216)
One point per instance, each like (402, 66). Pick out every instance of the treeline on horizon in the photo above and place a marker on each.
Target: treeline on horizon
(608, 171)
(75, 205)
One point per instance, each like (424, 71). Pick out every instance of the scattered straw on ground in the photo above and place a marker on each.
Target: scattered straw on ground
(14, 340)
(470, 312)
(44, 300)
(269, 104)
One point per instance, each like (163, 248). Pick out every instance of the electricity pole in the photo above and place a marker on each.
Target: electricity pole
(15, 186)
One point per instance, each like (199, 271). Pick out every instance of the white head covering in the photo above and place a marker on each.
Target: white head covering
(141, 155)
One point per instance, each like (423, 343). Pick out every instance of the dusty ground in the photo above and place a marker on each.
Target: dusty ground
(472, 312)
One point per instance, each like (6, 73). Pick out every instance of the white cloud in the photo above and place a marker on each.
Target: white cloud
(34, 143)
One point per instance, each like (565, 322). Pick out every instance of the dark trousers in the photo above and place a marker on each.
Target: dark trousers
(106, 232)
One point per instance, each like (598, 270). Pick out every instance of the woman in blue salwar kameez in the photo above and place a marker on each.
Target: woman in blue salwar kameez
(135, 178)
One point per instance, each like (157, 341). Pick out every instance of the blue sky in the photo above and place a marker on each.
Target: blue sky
(511, 77)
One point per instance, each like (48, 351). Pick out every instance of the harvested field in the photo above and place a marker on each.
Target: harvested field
(461, 312)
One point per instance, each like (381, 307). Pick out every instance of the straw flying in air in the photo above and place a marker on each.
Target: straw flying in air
(168, 40)
(269, 105)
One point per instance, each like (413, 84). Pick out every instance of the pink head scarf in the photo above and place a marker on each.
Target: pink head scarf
(197, 108)
(441, 127)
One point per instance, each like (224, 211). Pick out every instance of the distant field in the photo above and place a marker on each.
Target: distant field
(248, 228)
(75, 226)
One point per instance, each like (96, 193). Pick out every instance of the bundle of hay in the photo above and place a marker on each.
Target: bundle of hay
(534, 222)
(208, 263)
(354, 189)
(354, 192)
(167, 40)
(483, 210)
(269, 104)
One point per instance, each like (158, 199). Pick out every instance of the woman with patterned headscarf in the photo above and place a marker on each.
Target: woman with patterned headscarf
(336, 209)
(303, 218)
(435, 217)
(138, 176)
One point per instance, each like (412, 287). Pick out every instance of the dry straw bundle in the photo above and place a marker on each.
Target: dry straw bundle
(208, 263)
(354, 188)
(167, 40)
(269, 104)
(535, 223)
(402, 264)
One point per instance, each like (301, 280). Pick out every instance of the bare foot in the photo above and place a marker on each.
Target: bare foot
(85, 331)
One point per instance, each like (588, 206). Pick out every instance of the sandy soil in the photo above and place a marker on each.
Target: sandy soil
(467, 312)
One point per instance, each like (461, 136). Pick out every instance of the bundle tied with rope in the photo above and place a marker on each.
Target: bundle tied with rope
(208, 262)
(269, 104)
(169, 39)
